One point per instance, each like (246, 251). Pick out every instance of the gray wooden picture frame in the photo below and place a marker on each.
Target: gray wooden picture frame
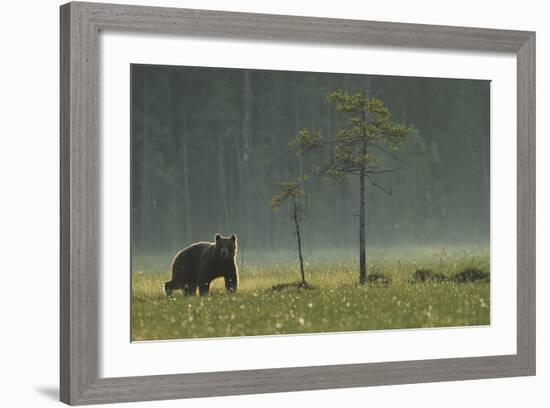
(80, 235)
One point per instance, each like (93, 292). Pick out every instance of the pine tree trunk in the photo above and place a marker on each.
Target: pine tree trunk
(363, 209)
(362, 225)
(297, 128)
(298, 238)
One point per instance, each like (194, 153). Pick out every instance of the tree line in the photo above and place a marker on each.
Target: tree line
(209, 145)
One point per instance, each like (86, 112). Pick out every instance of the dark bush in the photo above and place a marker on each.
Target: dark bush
(294, 285)
(378, 278)
(424, 275)
(471, 274)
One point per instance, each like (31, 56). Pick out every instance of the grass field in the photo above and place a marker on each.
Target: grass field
(336, 302)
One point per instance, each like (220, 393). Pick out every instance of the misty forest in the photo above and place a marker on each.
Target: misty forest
(359, 202)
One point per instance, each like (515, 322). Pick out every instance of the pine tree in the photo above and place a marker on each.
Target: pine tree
(354, 149)
(293, 192)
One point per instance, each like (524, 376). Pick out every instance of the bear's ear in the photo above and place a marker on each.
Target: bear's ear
(218, 237)
(234, 238)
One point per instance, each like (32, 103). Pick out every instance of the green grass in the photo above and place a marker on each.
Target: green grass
(335, 302)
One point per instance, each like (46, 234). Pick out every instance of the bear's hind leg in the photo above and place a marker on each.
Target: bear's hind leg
(169, 287)
(190, 289)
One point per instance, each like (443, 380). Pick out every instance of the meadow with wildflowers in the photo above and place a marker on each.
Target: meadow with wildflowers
(270, 302)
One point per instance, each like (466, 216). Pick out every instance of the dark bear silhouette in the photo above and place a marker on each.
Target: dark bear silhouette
(202, 262)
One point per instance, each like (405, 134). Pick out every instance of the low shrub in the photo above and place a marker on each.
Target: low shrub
(425, 275)
(471, 274)
(378, 278)
(294, 285)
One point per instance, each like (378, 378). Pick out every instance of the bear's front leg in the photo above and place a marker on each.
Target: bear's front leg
(231, 282)
(231, 279)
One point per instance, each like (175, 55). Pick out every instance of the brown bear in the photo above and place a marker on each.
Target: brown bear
(202, 262)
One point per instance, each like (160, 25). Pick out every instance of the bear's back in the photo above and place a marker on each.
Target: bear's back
(198, 247)
(190, 256)
(193, 251)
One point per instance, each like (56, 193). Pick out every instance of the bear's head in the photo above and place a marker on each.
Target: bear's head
(226, 247)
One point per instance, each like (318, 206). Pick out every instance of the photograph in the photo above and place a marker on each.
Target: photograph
(268, 202)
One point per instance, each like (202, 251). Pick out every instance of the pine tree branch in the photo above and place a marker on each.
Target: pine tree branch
(388, 192)
(384, 170)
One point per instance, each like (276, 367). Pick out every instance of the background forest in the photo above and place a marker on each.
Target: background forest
(209, 146)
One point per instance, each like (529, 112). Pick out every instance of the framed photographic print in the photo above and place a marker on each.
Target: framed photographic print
(259, 203)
